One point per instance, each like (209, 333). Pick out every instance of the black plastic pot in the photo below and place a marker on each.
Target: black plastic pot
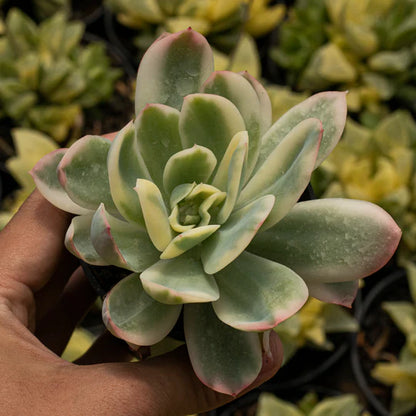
(373, 321)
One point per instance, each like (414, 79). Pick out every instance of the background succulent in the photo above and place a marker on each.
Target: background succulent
(198, 198)
(367, 47)
(46, 77)
(377, 165)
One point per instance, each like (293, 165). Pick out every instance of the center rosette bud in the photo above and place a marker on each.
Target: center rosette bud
(194, 205)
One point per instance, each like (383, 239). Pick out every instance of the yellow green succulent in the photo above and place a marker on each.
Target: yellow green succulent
(365, 46)
(377, 165)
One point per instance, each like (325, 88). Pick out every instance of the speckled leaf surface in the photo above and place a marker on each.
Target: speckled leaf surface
(121, 243)
(131, 314)
(179, 280)
(223, 358)
(331, 240)
(46, 179)
(257, 294)
(173, 67)
(340, 293)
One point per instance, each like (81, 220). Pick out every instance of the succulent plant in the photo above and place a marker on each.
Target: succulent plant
(367, 47)
(47, 77)
(197, 197)
(377, 165)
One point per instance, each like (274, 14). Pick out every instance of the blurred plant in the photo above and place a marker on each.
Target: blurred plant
(79, 343)
(401, 374)
(367, 47)
(47, 8)
(377, 165)
(310, 326)
(283, 99)
(30, 145)
(46, 77)
(310, 405)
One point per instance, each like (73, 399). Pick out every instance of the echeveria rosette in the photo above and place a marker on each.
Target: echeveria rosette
(197, 197)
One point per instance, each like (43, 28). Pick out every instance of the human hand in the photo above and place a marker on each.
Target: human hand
(43, 295)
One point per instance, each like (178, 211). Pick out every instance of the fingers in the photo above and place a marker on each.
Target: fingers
(167, 385)
(56, 327)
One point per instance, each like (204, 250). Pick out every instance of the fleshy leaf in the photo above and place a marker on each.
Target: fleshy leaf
(173, 67)
(330, 107)
(78, 240)
(83, 173)
(331, 240)
(157, 133)
(236, 88)
(235, 235)
(190, 165)
(125, 166)
(276, 293)
(179, 280)
(340, 293)
(225, 359)
(235, 176)
(121, 243)
(210, 121)
(131, 314)
(287, 171)
(188, 239)
(46, 179)
(154, 213)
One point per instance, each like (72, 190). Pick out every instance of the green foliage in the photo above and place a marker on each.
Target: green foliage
(310, 405)
(367, 47)
(46, 77)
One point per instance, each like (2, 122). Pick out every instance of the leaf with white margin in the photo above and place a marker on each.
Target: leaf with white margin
(330, 107)
(154, 213)
(46, 179)
(174, 66)
(157, 135)
(235, 235)
(275, 293)
(125, 166)
(340, 293)
(241, 93)
(331, 240)
(131, 314)
(195, 164)
(286, 172)
(179, 280)
(121, 243)
(78, 240)
(188, 239)
(225, 359)
(210, 121)
(235, 177)
(83, 173)
(264, 102)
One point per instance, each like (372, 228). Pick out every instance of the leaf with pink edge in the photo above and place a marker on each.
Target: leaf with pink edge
(157, 134)
(125, 166)
(154, 213)
(210, 121)
(235, 235)
(236, 88)
(179, 280)
(83, 173)
(225, 359)
(174, 66)
(275, 293)
(195, 164)
(121, 243)
(131, 314)
(331, 240)
(45, 176)
(78, 240)
(330, 107)
(287, 171)
(340, 293)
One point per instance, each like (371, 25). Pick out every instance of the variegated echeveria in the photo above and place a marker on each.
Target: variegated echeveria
(198, 198)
